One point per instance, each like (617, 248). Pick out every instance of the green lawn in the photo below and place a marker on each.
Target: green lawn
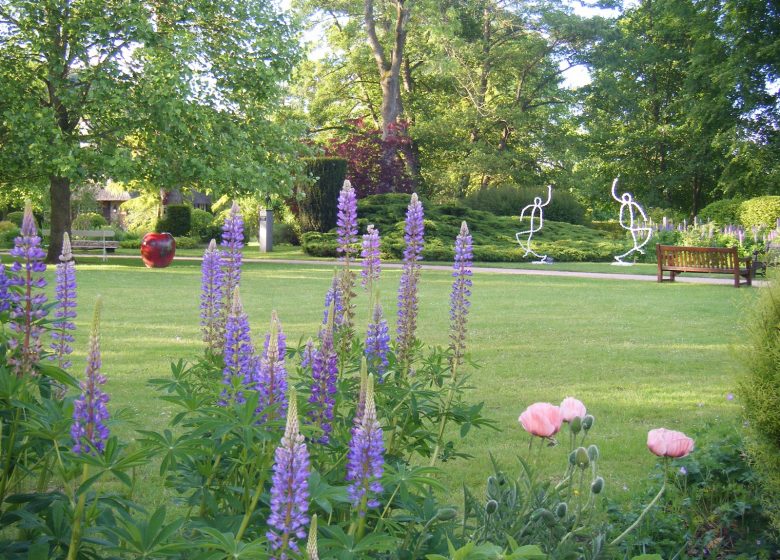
(640, 355)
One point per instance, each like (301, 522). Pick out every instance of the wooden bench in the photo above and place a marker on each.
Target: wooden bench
(87, 239)
(714, 260)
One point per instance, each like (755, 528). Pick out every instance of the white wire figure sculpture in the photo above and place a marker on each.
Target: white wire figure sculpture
(537, 222)
(640, 233)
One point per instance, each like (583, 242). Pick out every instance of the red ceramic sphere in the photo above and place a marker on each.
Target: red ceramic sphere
(158, 249)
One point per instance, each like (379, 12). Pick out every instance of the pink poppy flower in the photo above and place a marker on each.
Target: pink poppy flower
(669, 443)
(541, 419)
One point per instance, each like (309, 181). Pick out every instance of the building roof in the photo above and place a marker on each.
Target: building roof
(103, 195)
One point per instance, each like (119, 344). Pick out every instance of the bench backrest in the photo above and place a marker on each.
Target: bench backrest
(87, 233)
(713, 258)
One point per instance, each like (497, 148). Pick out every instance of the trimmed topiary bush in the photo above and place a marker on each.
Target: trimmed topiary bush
(760, 394)
(177, 220)
(183, 242)
(202, 224)
(721, 212)
(89, 220)
(760, 211)
(316, 210)
(15, 218)
(509, 201)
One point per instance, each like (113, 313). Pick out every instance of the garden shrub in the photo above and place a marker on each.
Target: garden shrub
(15, 218)
(141, 213)
(759, 391)
(88, 221)
(8, 232)
(285, 233)
(609, 226)
(316, 210)
(203, 226)
(760, 211)
(132, 243)
(509, 201)
(183, 242)
(722, 212)
(177, 220)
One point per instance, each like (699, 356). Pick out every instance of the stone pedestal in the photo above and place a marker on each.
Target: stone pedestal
(266, 231)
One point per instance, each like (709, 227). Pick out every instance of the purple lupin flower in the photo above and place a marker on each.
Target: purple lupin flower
(5, 298)
(307, 356)
(272, 372)
(372, 265)
(324, 373)
(365, 458)
(346, 222)
(333, 300)
(407, 290)
(377, 342)
(212, 321)
(233, 242)
(65, 293)
(238, 373)
(459, 297)
(90, 415)
(289, 488)
(28, 300)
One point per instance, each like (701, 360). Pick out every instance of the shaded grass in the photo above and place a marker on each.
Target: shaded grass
(640, 355)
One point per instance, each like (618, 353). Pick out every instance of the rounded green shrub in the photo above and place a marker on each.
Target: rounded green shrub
(177, 220)
(721, 212)
(202, 224)
(88, 220)
(760, 211)
(15, 218)
(509, 201)
(8, 232)
(760, 394)
(183, 242)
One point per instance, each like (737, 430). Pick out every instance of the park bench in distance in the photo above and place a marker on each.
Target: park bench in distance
(714, 260)
(86, 239)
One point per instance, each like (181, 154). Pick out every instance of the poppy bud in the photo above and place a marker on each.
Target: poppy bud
(581, 457)
(597, 486)
(593, 452)
(491, 507)
(576, 425)
(587, 422)
(561, 510)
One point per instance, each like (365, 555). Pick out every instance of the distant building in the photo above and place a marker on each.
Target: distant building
(109, 202)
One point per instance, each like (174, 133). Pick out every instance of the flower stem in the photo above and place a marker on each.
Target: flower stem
(75, 534)
(636, 523)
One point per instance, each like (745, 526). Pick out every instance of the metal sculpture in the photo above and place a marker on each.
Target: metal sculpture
(640, 233)
(537, 222)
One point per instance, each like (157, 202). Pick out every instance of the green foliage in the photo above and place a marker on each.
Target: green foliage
(722, 212)
(494, 236)
(204, 227)
(8, 232)
(88, 221)
(15, 218)
(177, 220)
(713, 505)
(316, 205)
(141, 213)
(760, 211)
(759, 391)
(183, 242)
(507, 200)
(285, 233)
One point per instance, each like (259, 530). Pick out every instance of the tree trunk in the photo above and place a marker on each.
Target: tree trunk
(59, 194)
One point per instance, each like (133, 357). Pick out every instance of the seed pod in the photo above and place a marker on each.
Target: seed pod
(593, 452)
(447, 514)
(581, 457)
(491, 507)
(561, 510)
(597, 486)
(587, 422)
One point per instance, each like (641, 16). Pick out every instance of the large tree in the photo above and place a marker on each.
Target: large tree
(676, 100)
(170, 94)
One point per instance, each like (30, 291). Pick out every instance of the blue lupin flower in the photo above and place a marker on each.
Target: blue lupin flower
(407, 290)
(372, 264)
(459, 297)
(27, 300)
(377, 342)
(324, 373)
(90, 415)
(238, 373)
(65, 294)
(346, 221)
(289, 488)
(232, 243)
(5, 298)
(212, 320)
(272, 372)
(365, 458)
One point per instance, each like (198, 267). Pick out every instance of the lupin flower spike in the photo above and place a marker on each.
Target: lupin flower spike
(346, 223)
(65, 293)
(461, 291)
(233, 242)
(365, 458)
(372, 264)
(90, 415)
(272, 374)
(324, 373)
(289, 488)
(239, 353)
(311, 545)
(378, 342)
(407, 290)
(212, 320)
(27, 303)
(361, 402)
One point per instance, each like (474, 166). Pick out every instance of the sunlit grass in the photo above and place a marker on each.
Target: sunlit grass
(640, 355)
